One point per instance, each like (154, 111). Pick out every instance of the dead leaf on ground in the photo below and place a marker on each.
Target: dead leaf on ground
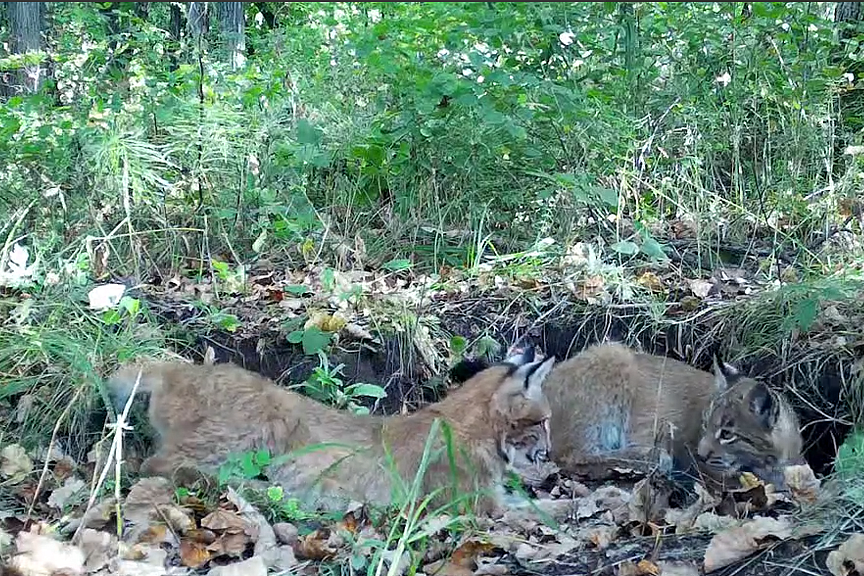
(229, 544)
(61, 496)
(649, 502)
(222, 519)
(700, 288)
(651, 281)
(150, 502)
(193, 554)
(848, 559)
(601, 536)
(98, 548)
(802, 482)
(38, 554)
(149, 493)
(445, 568)
(608, 498)
(671, 568)
(253, 566)
(316, 545)
(467, 553)
(737, 543)
(15, 464)
(326, 322)
(641, 568)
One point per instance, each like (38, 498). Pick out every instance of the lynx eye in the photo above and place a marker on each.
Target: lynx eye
(726, 436)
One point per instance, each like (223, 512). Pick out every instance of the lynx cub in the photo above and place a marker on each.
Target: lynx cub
(615, 407)
(204, 413)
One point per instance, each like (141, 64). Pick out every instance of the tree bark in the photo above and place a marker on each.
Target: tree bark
(174, 30)
(198, 18)
(27, 25)
(232, 25)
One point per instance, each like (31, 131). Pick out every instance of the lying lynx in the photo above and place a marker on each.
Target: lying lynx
(205, 413)
(615, 407)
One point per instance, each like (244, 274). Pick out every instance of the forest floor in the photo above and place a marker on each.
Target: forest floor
(401, 331)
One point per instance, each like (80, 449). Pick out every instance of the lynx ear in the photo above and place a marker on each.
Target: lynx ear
(535, 376)
(722, 374)
(763, 406)
(521, 358)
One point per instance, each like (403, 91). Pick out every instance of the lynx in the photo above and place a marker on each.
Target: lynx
(615, 407)
(205, 413)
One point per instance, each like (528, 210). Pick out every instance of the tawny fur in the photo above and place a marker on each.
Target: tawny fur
(205, 413)
(615, 407)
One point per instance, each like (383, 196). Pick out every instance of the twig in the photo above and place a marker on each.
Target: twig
(116, 454)
(42, 476)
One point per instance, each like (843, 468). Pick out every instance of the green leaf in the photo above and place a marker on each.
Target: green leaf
(487, 346)
(806, 313)
(307, 133)
(275, 493)
(653, 249)
(625, 247)
(458, 345)
(314, 340)
(607, 195)
(262, 458)
(131, 305)
(258, 244)
(297, 289)
(227, 322)
(222, 269)
(111, 317)
(370, 390)
(397, 264)
(295, 337)
(247, 464)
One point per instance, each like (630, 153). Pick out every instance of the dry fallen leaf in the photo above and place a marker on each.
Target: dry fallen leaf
(641, 568)
(229, 544)
(98, 548)
(222, 519)
(14, 463)
(602, 536)
(445, 568)
(253, 566)
(467, 553)
(193, 554)
(315, 546)
(802, 483)
(61, 496)
(749, 480)
(848, 559)
(38, 554)
(651, 281)
(700, 288)
(671, 568)
(147, 494)
(737, 543)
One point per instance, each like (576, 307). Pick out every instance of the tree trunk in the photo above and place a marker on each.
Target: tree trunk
(175, 27)
(26, 24)
(232, 25)
(848, 19)
(847, 12)
(142, 10)
(198, 19)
